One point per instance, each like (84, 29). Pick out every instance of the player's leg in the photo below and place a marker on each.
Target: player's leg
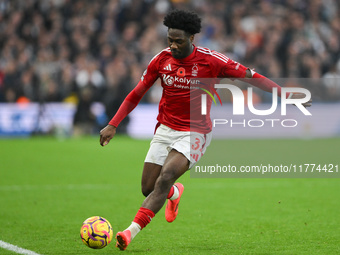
(197, 144)
(155, 158)
(185, 150)
(175, 165)
(150, 174)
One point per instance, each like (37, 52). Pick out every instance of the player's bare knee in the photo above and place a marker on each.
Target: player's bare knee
(146, 190)
(147, 186)
(166, 179)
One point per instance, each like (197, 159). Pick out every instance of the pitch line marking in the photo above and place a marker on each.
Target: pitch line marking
(16, 249)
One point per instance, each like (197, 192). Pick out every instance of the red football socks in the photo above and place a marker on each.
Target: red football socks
(143, 217)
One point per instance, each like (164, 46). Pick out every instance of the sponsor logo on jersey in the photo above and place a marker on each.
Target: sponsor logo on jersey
(175, 80)
(168, 68)
(168, 80)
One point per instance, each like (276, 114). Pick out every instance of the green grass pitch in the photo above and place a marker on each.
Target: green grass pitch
(49, 187)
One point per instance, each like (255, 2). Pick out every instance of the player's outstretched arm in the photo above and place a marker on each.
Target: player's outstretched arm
(106, 134)
(129, 103)
(266, 84)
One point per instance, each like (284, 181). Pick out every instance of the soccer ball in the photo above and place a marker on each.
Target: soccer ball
(96, 232)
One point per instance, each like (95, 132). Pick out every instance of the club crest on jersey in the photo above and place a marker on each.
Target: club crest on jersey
(194, 70)
(181, 72)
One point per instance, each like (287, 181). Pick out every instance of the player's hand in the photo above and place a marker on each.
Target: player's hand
(106, 134)
(301, 95)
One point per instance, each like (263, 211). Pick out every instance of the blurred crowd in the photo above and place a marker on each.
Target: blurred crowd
(85, 51)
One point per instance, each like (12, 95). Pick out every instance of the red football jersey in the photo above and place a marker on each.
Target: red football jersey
(179, 78)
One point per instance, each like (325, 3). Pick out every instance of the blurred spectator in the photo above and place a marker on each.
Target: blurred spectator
(331, 80)
(30, 85)
(52, 50)
(84, 120)
(89, 75)
(67, 83)
(118, 86)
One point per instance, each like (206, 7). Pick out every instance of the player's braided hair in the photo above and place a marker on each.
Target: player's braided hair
(187, 21)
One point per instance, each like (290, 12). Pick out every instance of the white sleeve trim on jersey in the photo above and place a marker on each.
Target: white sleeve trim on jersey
(204, 50)
(220, 56)
(215, 54)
